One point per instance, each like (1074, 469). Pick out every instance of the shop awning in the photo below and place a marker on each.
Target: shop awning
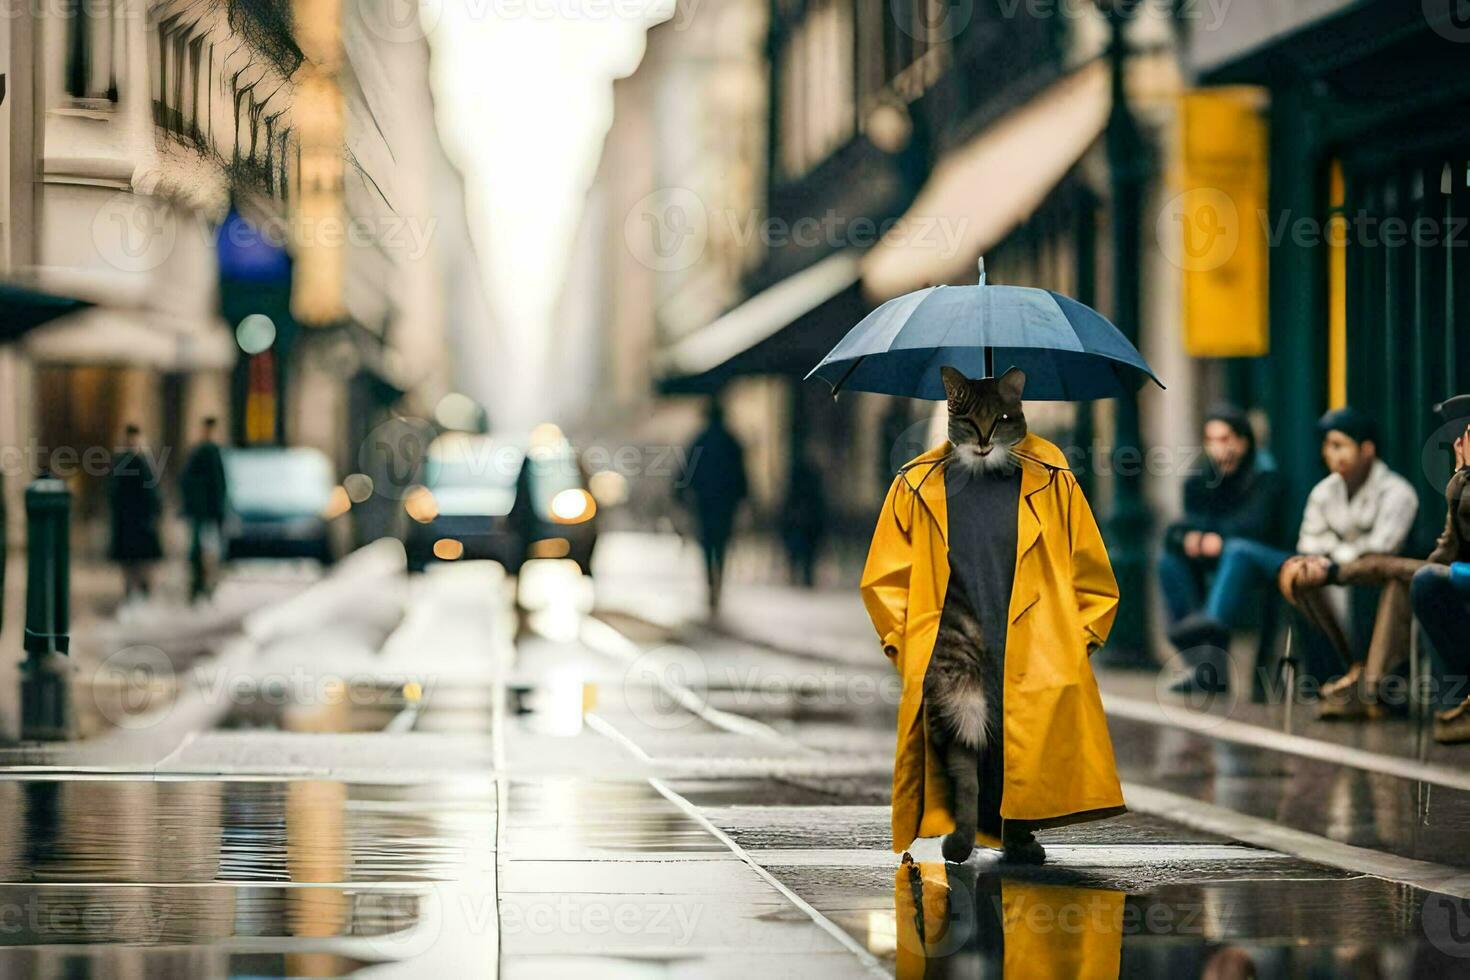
(772, 331)
(132, 338)
(980, 192)
(23, 310)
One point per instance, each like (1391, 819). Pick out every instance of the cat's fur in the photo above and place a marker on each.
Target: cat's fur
(962, 686)
(985, 418)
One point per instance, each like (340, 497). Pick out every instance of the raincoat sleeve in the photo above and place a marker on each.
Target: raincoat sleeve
(1092, 573)
(885, 583)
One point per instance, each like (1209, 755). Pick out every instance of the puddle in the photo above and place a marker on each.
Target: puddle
(198, 832)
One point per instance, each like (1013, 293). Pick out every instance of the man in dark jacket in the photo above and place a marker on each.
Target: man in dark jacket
(204, 493)
(1234, 495)
(132, 492)
(1443, 606)
(715, 485)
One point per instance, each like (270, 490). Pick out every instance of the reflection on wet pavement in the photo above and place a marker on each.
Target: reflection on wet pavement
(1401, 816)
(114, 831)
(289, 878)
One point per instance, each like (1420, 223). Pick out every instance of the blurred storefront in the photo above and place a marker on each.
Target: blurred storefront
(160, 155)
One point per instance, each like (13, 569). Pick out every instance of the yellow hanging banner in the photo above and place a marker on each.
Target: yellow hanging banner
(1213, 228)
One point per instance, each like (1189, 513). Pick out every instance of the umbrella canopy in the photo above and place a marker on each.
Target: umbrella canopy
(1069, 351)
(22, 310)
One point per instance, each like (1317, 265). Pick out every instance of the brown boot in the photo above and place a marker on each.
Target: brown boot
(1347, 698)
(1453, 726)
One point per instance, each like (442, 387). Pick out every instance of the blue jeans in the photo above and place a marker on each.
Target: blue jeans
(1444, 611)
(1182, 582)
(1245, 566)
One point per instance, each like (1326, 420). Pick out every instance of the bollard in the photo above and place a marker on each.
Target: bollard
(44, 696)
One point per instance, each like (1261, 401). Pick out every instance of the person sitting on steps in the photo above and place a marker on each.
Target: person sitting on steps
(1234, 495)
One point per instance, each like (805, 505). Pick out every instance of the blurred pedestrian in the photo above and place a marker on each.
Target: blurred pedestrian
(1360, 509)
(132, 492)
(715, 484)
(203, 493)
(804, 519)
(1234, 495)
(1441, 589)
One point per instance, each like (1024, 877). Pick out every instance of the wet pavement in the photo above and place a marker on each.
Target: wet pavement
(629, 796)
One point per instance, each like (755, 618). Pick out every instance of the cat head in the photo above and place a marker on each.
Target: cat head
(985, 417)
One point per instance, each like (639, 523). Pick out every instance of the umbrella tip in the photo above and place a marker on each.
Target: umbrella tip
(982, 271)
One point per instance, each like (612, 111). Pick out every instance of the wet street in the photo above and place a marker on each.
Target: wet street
(604, 786)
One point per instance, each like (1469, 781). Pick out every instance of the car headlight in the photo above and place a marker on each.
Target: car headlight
(421, 505)
(573, 506)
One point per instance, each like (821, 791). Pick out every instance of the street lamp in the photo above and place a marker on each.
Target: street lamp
(1131, 644)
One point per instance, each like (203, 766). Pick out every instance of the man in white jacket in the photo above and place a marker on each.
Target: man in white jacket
(1354, 526)
(1356, 520)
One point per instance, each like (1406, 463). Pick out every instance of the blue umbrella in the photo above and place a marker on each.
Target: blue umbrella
(1069, 351)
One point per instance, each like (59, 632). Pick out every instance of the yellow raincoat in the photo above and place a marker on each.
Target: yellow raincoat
(1058, 758)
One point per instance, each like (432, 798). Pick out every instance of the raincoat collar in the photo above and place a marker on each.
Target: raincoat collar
(924, 475)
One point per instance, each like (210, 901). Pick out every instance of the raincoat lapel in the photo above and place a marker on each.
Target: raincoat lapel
(928, 479)
(1034, 478)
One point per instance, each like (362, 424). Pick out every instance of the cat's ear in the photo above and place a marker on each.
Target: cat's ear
(956, 385)
(1012, 383)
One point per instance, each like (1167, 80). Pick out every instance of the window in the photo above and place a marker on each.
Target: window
(94, 49)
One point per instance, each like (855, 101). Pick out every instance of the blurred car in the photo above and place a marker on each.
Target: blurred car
(557, 513)
(486, 497)
(463, 505)
(281, 500)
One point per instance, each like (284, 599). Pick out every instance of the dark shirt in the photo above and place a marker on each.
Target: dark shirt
(1241, 505)
(982, 544)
